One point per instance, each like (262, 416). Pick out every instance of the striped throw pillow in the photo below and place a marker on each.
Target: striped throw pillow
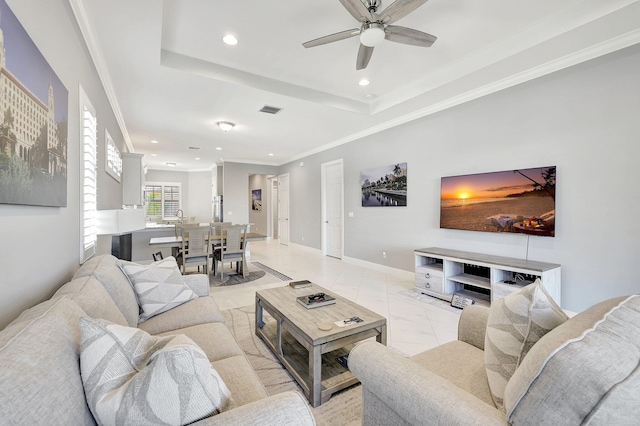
(515, 324)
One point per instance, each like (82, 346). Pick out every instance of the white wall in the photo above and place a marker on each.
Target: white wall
(235, 189)
(40, 246)
(585, 120)
(200, 191)
(259, 218)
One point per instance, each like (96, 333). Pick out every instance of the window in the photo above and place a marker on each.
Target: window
(88, 169)
(163, 199)
(113, 158)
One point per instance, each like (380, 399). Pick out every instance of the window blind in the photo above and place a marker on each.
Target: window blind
(89, 184)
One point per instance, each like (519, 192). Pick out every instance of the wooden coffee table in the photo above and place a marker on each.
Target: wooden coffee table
(307, 352)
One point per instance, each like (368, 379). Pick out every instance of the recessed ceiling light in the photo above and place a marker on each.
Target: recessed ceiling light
(218, 149)
(197, 158)
(155, 142)
(230, 40)
(271, 154)
(154, 155)
(370, 96)
(364, 82)
(171, 164)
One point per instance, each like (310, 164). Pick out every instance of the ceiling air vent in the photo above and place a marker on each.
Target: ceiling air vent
(270, 109)
(194, 147)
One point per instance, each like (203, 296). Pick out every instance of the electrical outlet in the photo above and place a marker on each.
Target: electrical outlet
(302, 238)
(384, 254)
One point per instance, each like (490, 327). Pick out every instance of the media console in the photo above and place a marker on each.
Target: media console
(442, 272)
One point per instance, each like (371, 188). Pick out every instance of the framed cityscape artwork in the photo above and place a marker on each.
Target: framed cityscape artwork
(33, 121)
(384, 186)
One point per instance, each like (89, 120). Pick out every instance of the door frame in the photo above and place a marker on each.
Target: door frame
(272, 211)
(288, 221)
(323, 204)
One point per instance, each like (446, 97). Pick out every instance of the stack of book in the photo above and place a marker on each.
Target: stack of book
(300, 284)
(316, 300)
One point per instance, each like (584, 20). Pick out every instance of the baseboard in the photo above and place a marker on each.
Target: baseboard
(380, 268)
(300, 246)
(410, 275)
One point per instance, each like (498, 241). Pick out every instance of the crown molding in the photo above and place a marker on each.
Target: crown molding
(99, 62)
(574, 58)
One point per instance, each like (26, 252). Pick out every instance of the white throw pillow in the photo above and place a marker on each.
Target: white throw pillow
(159, 287)
(515, 324)
(131, 377)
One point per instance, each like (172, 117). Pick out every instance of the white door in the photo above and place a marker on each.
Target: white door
(283, 209)
(332, 207)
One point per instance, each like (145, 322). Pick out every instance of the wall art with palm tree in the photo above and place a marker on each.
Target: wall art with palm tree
(384, 186)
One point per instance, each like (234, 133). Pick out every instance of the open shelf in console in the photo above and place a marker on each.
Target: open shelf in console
(442, 272)
(472, 280)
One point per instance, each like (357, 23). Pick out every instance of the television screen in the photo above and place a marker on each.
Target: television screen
(517, 201)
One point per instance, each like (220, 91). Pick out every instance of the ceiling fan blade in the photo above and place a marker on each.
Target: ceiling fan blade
(399, 9)
(408, 36)
(357, 9)
(331, 38)
(364, 55)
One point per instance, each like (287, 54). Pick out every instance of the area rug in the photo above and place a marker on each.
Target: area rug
(343, 408)
(234, 279)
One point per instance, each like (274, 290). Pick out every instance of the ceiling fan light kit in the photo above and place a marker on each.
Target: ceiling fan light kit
(372, 34)
(226, 126)
(377, 27)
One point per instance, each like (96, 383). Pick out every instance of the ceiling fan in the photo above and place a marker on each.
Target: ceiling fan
(377, 27)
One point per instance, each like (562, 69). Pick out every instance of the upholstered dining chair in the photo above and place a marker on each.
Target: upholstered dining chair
(233, 247)
(195, 247)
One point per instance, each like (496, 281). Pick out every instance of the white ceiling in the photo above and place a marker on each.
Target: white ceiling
(170, 77)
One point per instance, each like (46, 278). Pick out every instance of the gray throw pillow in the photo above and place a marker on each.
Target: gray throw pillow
(131, 377)
(158, 287)
(515, 324)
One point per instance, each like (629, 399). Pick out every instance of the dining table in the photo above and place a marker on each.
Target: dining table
(176, 241)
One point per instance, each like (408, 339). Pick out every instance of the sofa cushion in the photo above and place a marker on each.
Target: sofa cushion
(40, 369)
(93, 298)
(515, 324)
(583, 372)
(469, 373)
(131, 377)
(199, 283)
(159, 287)
(202, 310)
(214, 339)
(241, 379)
(105, 269)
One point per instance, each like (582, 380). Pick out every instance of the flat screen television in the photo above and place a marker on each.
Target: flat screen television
(515, 201)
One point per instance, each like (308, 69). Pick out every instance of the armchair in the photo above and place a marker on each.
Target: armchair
(584, 371)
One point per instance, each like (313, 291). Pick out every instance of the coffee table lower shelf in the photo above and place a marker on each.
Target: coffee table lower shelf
(295, 358)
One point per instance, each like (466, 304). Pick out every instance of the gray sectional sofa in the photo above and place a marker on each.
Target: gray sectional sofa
(40, 380)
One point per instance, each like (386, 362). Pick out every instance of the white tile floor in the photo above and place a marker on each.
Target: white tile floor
(415, 322)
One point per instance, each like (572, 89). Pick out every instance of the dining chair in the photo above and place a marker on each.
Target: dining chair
(216, 229)
(180, 226)
(195, 247)
(157, 256)
(233, 247)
